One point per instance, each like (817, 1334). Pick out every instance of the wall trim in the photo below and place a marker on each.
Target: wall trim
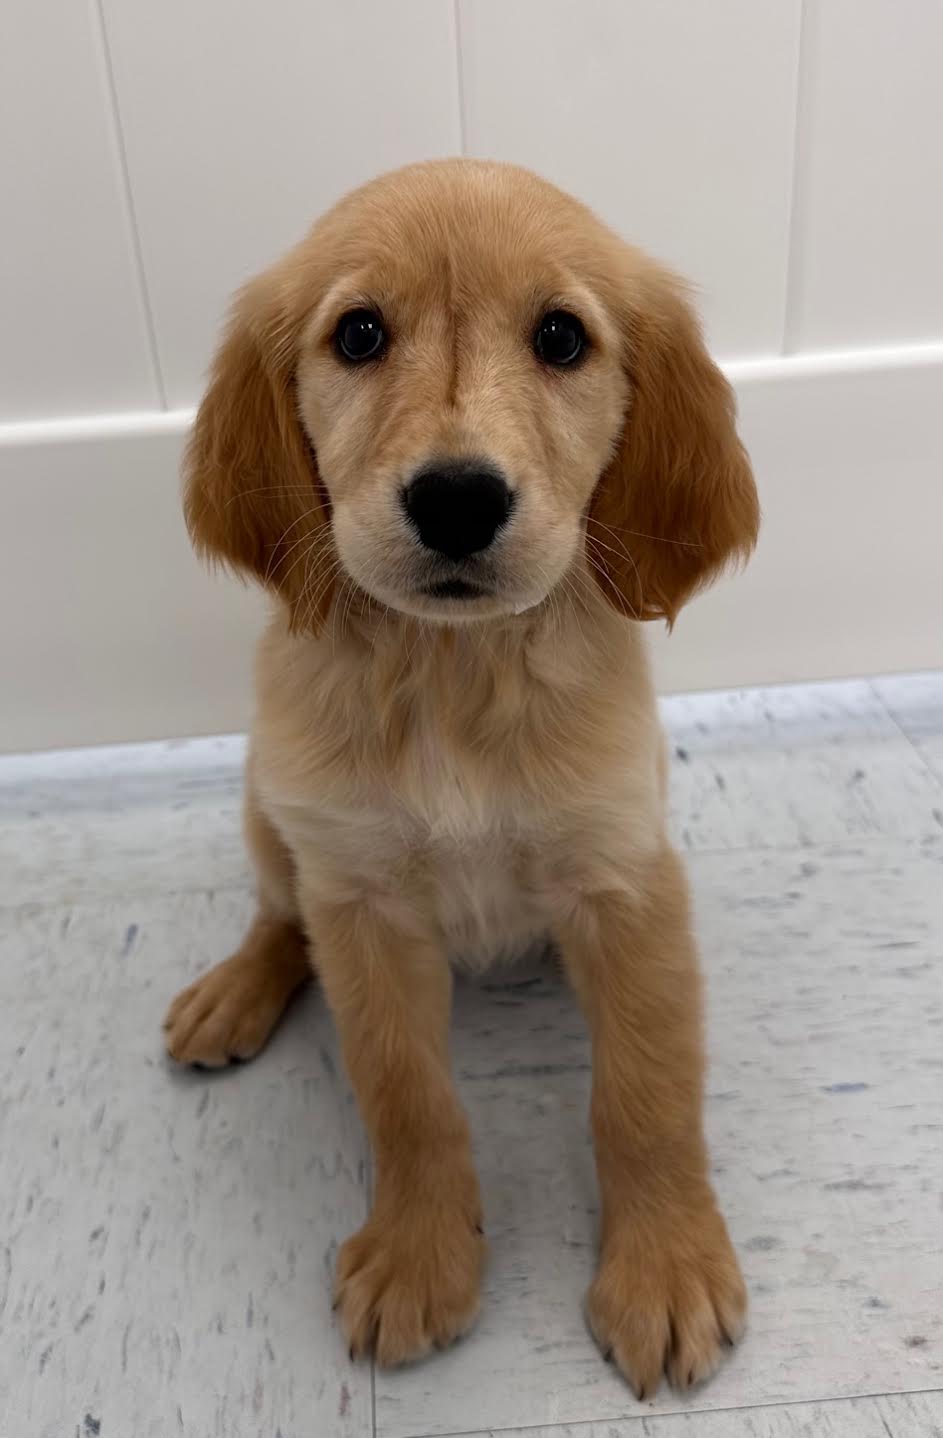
(742, 372)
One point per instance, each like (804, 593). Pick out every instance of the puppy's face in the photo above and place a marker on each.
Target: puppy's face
(462, 387)
(457, 388)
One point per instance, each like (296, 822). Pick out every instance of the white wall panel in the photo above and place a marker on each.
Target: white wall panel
(846, 579)
(243, 121)
(73, 337)
(868, 261)
(673, 119)
(111, 628)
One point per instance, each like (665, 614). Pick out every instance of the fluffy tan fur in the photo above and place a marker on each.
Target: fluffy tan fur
(428, 781)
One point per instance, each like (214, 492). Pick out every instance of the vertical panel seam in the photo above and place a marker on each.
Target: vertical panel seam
(796, 215)
(460, 76)
(127, 194)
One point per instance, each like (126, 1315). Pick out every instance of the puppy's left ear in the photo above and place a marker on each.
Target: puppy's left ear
(678, 503)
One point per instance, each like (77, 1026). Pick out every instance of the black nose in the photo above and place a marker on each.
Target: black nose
(457, 507)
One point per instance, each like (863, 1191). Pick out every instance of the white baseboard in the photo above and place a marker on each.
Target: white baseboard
(110, 630)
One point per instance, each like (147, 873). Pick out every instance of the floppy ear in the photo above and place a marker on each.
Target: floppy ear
(678, 502)
(252, 496)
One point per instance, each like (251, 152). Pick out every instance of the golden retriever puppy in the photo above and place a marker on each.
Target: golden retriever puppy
(469, 438)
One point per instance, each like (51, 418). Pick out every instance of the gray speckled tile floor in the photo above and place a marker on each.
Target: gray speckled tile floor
(166, 1238)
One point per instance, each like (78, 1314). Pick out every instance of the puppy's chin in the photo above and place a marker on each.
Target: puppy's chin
(453, 601)
(458, 608)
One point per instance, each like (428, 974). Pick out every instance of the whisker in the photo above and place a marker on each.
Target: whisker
(275, 557)
(335, 608)
(322, 577)
(325, 579)
(270, 489)
(638, 534)
(555, 615)
(570, 588)
(593, 540)
(320, 539)
(346, 615)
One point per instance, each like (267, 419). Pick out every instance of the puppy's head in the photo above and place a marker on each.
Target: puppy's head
(455, 388)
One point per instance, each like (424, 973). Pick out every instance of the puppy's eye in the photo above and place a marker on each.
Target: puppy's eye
(359, 335)
(559, 338)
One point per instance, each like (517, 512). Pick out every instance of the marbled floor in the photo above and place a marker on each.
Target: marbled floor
(167, 1238)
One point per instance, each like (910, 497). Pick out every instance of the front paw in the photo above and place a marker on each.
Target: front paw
(227, 1014)
(410, 1282)
(668, 1297)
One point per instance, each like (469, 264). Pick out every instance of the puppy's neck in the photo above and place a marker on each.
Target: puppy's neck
(544, 697)
(559, 641)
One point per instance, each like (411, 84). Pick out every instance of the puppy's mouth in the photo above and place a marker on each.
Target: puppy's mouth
(455, 589)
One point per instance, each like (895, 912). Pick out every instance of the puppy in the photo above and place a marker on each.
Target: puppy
(468, 439)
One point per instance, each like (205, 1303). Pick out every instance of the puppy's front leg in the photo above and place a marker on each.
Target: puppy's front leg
(668, 1295)
(409, 1280)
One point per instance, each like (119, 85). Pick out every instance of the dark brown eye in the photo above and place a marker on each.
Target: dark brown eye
(359, 335)
(559, 338)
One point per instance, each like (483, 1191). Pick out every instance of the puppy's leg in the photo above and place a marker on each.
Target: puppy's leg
(231, 1011)
(668, 1295)
(409, 1280)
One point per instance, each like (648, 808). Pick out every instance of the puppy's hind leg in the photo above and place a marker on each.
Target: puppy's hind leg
(231, 1011)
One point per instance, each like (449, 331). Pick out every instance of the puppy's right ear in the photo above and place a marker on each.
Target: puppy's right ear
(252, 496)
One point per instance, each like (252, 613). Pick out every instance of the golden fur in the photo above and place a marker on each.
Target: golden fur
(431, 777)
